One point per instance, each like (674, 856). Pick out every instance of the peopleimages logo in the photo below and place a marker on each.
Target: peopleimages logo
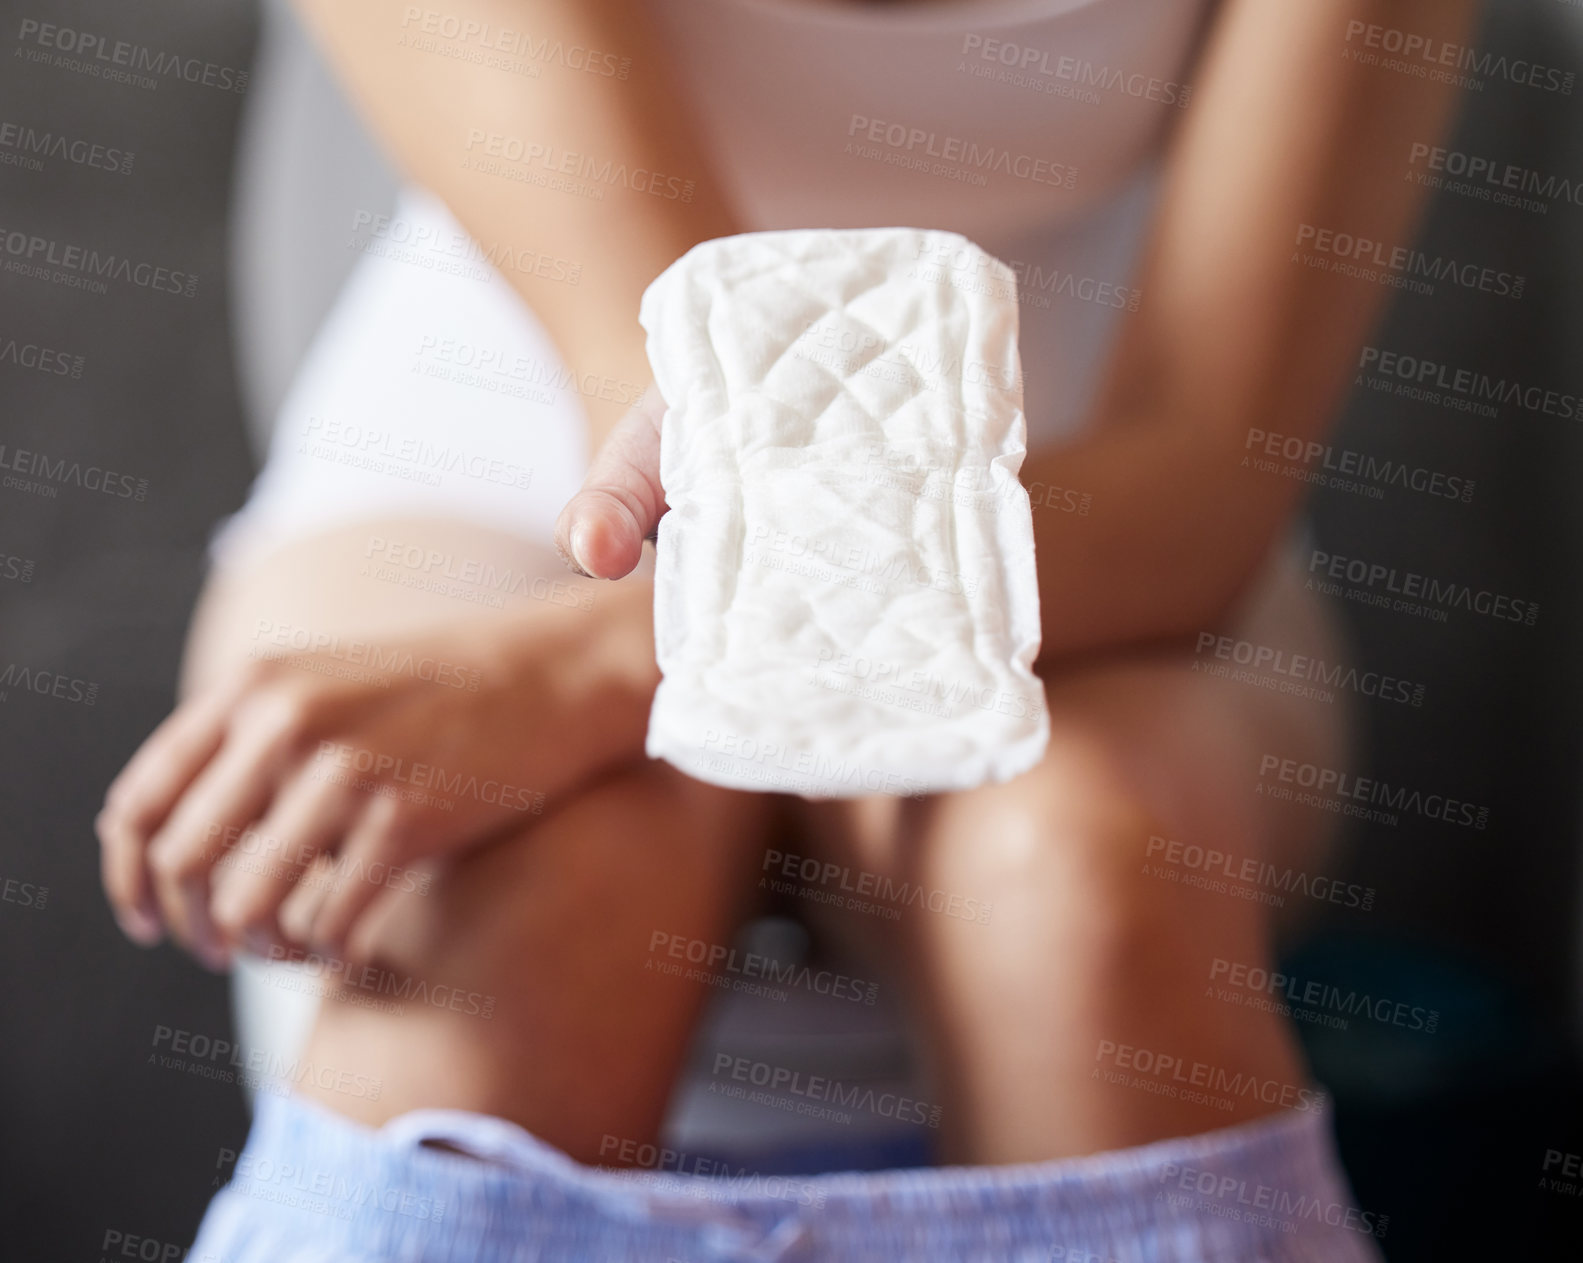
(1398, 266)
(467, 363)
(852, 562)
(1416, 590)
(382, 451)
(454, 252)
(920, 145)
(45, 475)
(743, 1181)
(968, 268)
(1311, 994)
(543, 163)
(1197, 1082)
(1239, 1199)
(324, 1192)
(1428, 57)
(283, 640)
(19, 569)
(1569, 1180)
(30, 146)
(1304, 667)
(824, 881)
(502, 39)
(41, 359)
(939, 695)
(1341, 465)
(1355, 795)
(721, 961)
(1024, 66)
(118, 60)
(338, 977)
(1480, 390)
(1191, 864)
(1503, 181)
(85, 268)
(128, 1245)
(24, 894)
(387, 769)
(916, 364)
(266, 854)
(31, 679)
(468, 578)
(795, 1084)
(772, 763)
(206, 1057)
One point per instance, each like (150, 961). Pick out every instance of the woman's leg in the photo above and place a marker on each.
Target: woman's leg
(1092, 954)
(553, 924)
(555, 927)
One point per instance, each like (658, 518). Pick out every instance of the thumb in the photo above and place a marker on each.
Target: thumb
(601, 530)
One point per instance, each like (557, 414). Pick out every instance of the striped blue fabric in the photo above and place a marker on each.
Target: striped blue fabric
(312, 1187)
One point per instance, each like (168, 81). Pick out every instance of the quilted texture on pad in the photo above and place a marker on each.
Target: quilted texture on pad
(845, 596)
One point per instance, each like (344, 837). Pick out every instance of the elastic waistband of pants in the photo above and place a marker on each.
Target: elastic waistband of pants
(1270, 1189)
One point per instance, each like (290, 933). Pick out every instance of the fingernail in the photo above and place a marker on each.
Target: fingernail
(257, 942)
(571, 562)
(141, 928)
(214, 957)
(580, 543)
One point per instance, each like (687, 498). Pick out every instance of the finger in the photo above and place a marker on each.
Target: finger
(229, 794)
(302, 902)
(173, 753)
(307, 818)
(601, 530)
(381, 837)
(140, 799)
(385, 928)
(124, 873)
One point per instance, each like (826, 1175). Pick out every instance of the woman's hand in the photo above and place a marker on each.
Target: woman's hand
(444, 742)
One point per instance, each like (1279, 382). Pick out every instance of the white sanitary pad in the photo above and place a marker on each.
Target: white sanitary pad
(845, 599)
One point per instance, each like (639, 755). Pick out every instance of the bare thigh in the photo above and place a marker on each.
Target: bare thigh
(1095, 937)
(541, 946)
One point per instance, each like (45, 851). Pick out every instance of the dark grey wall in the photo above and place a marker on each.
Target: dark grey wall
(92, 1137)
(1449, 1133)
(1500, 722)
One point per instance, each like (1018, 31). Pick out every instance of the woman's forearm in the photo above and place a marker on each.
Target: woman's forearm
(338, 593)
(507, 150)
(1172, 531)
(1288, 137)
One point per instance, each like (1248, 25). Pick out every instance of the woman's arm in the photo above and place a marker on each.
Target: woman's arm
(1234, 335)
(562, 692)
(442, 117)
(1286, 134)
(327, 709)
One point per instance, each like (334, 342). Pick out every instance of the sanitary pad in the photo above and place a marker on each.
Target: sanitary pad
(845, 599)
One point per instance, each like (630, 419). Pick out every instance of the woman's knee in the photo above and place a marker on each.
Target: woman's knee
(1078, 812)
(644, 835)
(1062, 855)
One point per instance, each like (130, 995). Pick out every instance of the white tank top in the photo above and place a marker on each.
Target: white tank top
(1030, 126)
